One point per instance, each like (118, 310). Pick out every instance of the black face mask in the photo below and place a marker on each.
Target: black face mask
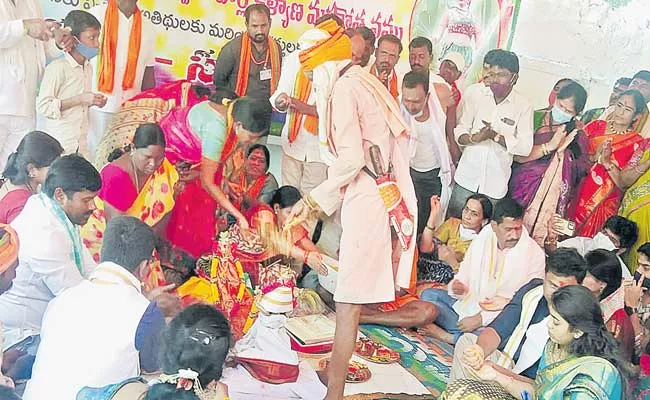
(646, 281)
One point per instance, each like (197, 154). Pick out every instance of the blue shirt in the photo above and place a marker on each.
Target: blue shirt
(148, 337)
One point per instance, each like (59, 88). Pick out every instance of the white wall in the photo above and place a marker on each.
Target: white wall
(586, 40)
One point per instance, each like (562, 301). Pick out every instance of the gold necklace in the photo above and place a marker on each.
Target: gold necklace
(135, 174)
(610, 129)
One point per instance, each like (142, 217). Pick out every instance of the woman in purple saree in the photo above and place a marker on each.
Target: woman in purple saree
(545, 181)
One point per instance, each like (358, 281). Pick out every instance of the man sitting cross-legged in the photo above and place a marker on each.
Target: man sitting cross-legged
(516, 338)
(105, 329)
(497, 264)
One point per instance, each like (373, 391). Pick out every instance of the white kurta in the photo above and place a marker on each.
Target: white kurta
(359, 120)
(46, 268)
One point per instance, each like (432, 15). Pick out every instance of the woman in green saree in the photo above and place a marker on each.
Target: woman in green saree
(581, 361)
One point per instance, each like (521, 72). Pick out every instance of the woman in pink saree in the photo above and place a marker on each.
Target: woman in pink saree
(611, 146)
(207, 144)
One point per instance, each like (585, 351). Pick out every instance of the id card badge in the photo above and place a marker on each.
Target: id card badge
(265, 74)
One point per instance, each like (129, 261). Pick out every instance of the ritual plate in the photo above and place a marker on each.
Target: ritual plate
(357, 372)
(375, 352)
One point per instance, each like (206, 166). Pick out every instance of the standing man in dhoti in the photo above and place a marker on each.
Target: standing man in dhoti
(359, 112)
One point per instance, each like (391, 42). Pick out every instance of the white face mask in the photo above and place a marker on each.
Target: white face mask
(602, 241)
(466, 234)
(418, 115)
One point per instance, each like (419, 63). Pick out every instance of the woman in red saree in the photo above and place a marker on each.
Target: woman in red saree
(249, 185)
(611, 145)
(207, 142)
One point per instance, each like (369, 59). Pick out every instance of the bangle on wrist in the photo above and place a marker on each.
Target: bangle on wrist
(25, 29)
(471, 141)
(427, 226)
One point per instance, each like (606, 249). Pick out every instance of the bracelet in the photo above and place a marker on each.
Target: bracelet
(25, 29)
(305, 257)
(471, 141)
(429, 228)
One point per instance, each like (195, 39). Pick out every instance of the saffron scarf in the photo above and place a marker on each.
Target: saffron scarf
(392, 81)
(8, 247)
(108, 49)
(301, 91)
(73, 230)
(245, 64)
(337, 47)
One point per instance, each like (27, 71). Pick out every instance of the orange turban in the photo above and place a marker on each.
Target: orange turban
(8, 247)
(337, 47)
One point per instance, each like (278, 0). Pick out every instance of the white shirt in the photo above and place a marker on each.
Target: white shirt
(46, 268)
(22, 59)
(65, 78)
(600, 241)
(88, 336)
(147, 58)
(485, 167)
(425, 157)
(305, 147)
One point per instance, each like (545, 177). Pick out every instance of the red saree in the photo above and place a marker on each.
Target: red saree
(192, 225)
(598, 197)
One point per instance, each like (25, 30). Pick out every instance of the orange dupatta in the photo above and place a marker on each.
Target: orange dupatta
(392, 81)
(245, 64)
(108, 49)
(301, 91)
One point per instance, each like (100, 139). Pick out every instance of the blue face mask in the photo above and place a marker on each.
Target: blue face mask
(88, 52)
(560, 116)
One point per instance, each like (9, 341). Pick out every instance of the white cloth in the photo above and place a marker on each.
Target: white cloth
(437, 136)
(529, 304)
(46, 268)
(22, 59)
(242, 385)
(324, 78)
(88, 335)
(533, 348)
(146, 58)
(486, 273)
(486, 167)
(13, 129)
(267, 340)
(305, 147)
(425, 158)
(600, 241)
(100, 121)
(65, 78)
(435, 78)
(22, 62)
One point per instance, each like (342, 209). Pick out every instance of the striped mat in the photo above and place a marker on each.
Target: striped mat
(427, 359)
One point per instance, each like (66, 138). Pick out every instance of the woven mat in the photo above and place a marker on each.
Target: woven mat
(425, 358)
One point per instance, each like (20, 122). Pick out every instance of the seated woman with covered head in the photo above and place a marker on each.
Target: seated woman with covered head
(249, 185)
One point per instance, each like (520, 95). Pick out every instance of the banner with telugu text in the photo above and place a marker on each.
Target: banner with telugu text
(191, 32)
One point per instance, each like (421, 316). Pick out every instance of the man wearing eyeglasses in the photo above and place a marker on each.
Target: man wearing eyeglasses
(495, 124)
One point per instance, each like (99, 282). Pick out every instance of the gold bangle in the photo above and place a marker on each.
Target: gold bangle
(471, 141)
